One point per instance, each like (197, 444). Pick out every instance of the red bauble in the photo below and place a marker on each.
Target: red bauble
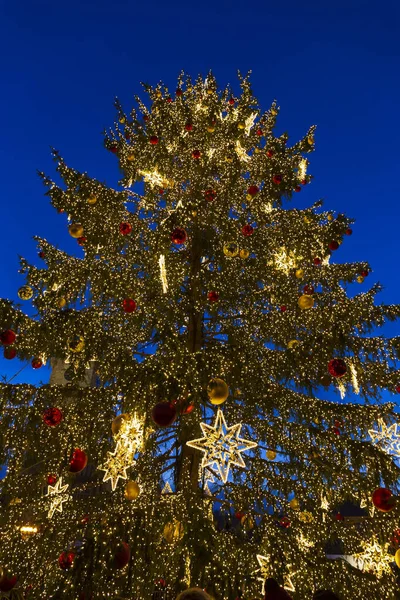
(336, 430)
(231, 101)
(317, 261)
(129, 305)
(210, 195)
(348, 231)
(189, 127)
(161, 192)
(153, 140)
(65, 560)
(297, 188)
(303, 182)
(396, 537)
(122, 555)
(365, 273)
(252, 190)
(398, 389)
(383, 499)
(52, 416)
(247, 230)
(125, 228)
(114, 149)
(164, 414)
(337, 367)
(146, 117)
(196, 154)
(259, 132)
(270, 153)
(277, 179)
(212, 296)
(169, 99)
(78, 461)
(41, 255)
(9, 352)
(7, 337)
(178, 92)
(37, 363)
(283, 308)
(333, 245)
(339, 517)
(239, 515)
(7, 583)
(308, 290)
(51, 479)
(187, 409)
(285, 522)
(179, 236)
(81, 240)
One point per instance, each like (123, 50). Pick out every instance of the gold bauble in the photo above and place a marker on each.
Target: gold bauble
(247, 521)
(228, 159)
(249, 198)
(244, 253)
(307, 220)
(271, 454)
(209, 92)
(257, 150)
(194, 213)
(310, 140)
(159, 94)
(121, 120)
(76, 344)
(76, 230)
(61, 302)
(299, 273)
(130, 157)
(231, 249)
(274, 112)
(241, 125)
(92, 199)
(397, 558)
(294, 504)
(132, 490)
(173, 532)
(293, 343)
(360, 279)
(217, 391)
(25, 292)
(210, 129)
(117, 423)
(330, 217)
(305, 517)
(306, 302)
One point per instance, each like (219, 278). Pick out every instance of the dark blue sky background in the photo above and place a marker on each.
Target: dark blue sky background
(335, 64)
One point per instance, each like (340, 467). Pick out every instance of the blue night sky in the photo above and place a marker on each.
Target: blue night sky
(333, 64)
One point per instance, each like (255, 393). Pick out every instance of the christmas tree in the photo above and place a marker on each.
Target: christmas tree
(185, 437)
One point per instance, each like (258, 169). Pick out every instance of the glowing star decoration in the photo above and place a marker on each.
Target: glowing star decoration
(302, 172)
(167, 489)
(58, 495)
(374, 558)
(116, 465)
(163, 273)
(341, 388)
(241, 152)
(155, 179)
(387, 437)
(222, 446)
(285, 261)
(265, 563)
(249, 123)
(304, 543)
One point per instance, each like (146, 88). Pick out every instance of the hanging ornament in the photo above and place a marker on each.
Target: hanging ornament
(360, 279)
(297, 188)
(210, 195)
(387, 437)
(119, 422)
(337, 367)
(294, 504)
(132, 490)
(65, 560)
(7, 337)
(247, 230)
(305, 302)
(25, 292)
(277, 179)
(247, 522)
(75, 230)
(270, 153)
(231, 101)
(244, 253)
(299, 273)
(7, 582)
(308, 290)
(153, 140)
(61, 302)
(178, 92)
(284, 523)
(196, 154)
(213, 296)
(222, 446)
(348, 231)
(333, 245)
(178, 236)
(81, 241)
(252, 191)
(217, 391)
(52, 416)
(164, 414)
(326, 380)
(283, 308)
(76, 344)
(92, 199)
(189, 126)
(383, 499)
(231, 249)
(78, 461)
(122, 555)
(10, 352)
(292, 344)
(317, 261)
(129, 305)
(125, 228)
(57, 495)
(397, 558)
(271, 454)
(173, 532)
(36, 363)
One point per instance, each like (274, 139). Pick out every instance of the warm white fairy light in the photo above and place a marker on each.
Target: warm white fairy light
(163, 273)
(58, 495)
(222, 445)
(302, 172)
